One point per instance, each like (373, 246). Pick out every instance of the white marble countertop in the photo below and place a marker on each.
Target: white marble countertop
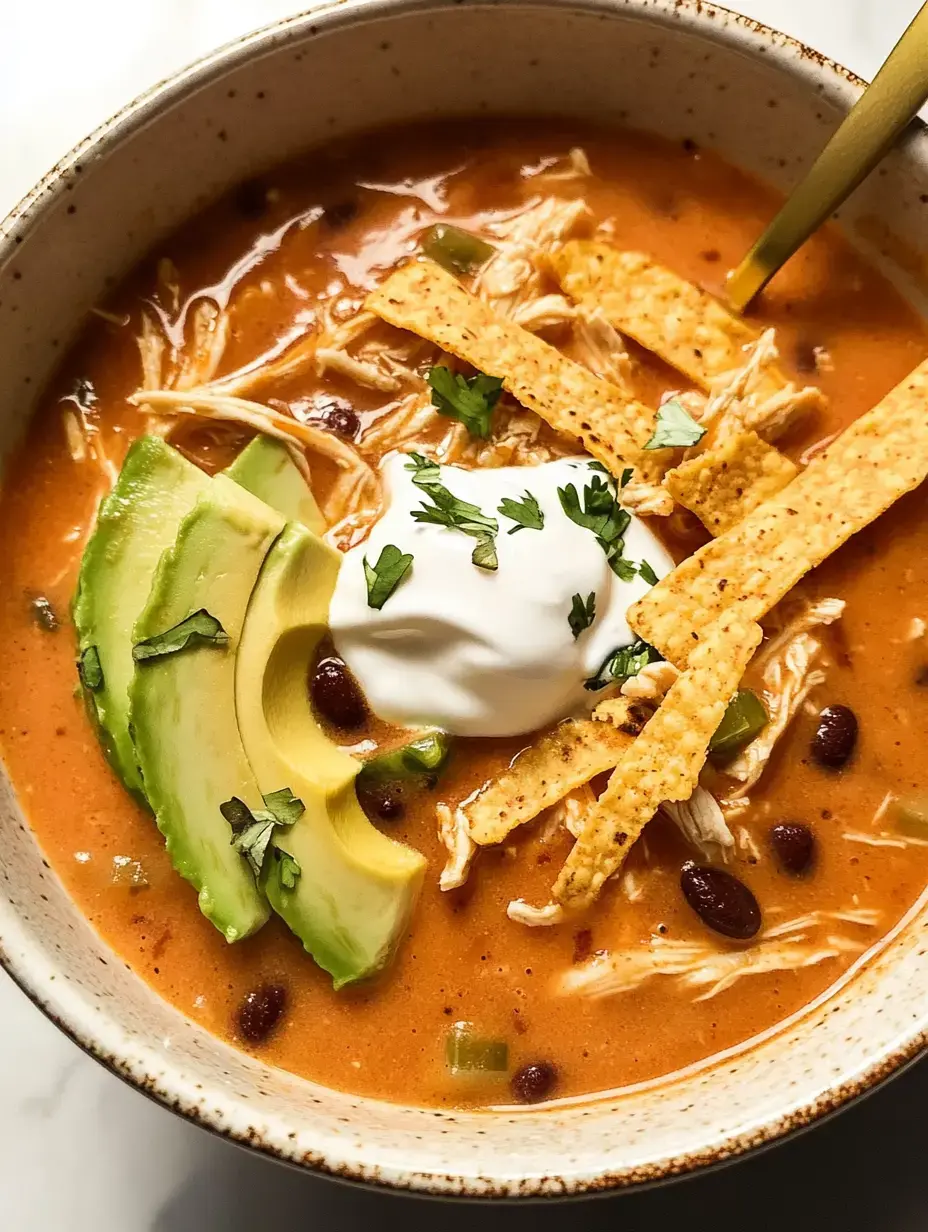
(81, 1152)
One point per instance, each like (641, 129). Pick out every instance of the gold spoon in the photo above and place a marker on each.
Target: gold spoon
(870, 129)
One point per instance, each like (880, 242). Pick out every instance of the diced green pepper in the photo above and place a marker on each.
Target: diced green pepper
(455, 250)
(423, 757)
(467, 1053)
(909, 815)
(744, 719)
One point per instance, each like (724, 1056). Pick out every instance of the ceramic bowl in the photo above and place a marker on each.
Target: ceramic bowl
(678, 67)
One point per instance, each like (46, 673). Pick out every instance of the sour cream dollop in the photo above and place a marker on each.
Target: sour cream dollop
(479, 653)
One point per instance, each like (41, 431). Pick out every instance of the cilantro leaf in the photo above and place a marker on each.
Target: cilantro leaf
(648, 573)
(252, 830)
(288, 869)
(199, 629)
(470, 400)
(582, 614)
(675, 427)
(526, 513)
(601, 513)
(384, 577)
(89, 669)
(626, 477)
(622, 664)
(448, 510)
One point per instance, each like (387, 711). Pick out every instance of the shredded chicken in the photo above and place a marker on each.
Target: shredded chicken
(699, 964)
(575, 167)
(651, 683)
(199, 360)
(737, 399)
(702, 824)
(647, 499)
(884, 839)
(454, 834)
(331, 359)
(514, 274)
(788, 676)
(521, 912)
(600, 347)
(545, 312)
(570, 811)
(298, 356)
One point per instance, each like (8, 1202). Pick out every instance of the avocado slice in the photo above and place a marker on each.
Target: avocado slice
(137, 521)
(267, 470)
(182, 705)
(351, 903)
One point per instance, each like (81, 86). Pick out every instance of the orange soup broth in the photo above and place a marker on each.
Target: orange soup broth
(463, 959)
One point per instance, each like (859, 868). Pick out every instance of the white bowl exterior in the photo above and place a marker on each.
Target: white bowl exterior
(682, 69)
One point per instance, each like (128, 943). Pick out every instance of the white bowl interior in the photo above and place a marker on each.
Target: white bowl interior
(678, 69)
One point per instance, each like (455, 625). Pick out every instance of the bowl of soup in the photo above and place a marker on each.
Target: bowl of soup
(463, 686)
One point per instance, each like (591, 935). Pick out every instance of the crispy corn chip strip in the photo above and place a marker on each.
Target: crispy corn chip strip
(663, 764)
(685, 326)
(606, 420)
(727, 482)
(879, 458)
(566, 758)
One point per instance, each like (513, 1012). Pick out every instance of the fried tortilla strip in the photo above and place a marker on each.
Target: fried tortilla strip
(663, 764)
(606, 420)
(879, 458)
(568, 757)
(684, 325)
(727, 482)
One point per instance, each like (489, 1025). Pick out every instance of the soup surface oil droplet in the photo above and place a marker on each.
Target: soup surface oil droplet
(721, 901)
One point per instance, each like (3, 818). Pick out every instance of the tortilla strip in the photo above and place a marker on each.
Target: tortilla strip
(606, 420)
(663, 763)
(727, 482)
(569, 756)
(879, 458)
(684, 325)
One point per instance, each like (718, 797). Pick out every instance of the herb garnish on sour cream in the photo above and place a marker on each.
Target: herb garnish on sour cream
(526, 513)
(383, 577)
(448, 510)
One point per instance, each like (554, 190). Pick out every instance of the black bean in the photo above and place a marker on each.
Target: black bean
(835, 737)
(336, 695)
(381, 799)
(340, 213)
(794, 846)
(44, 614)
(805, 356)
(260, 1012)
(921, 676)
(250, 199)
(341, 420)
(721, 901)
(534, 1082)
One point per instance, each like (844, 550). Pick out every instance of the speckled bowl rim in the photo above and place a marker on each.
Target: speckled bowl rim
(710, 21)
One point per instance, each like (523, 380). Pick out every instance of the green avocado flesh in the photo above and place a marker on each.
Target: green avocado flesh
(351, 903)
(136, 523)
(267, 470)
(182, 705)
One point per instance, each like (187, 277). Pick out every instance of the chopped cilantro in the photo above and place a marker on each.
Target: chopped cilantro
(648, 573)
(288, 869)
(470, 400)
(447, 510)
(622, 664)
(199, 629)
(601, 513)
(252, 830)
(675, 427)
(384, 577)
(90, 669)
(526, 513)
(582, 614)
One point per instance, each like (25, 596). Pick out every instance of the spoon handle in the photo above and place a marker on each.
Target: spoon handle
(867, 133)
